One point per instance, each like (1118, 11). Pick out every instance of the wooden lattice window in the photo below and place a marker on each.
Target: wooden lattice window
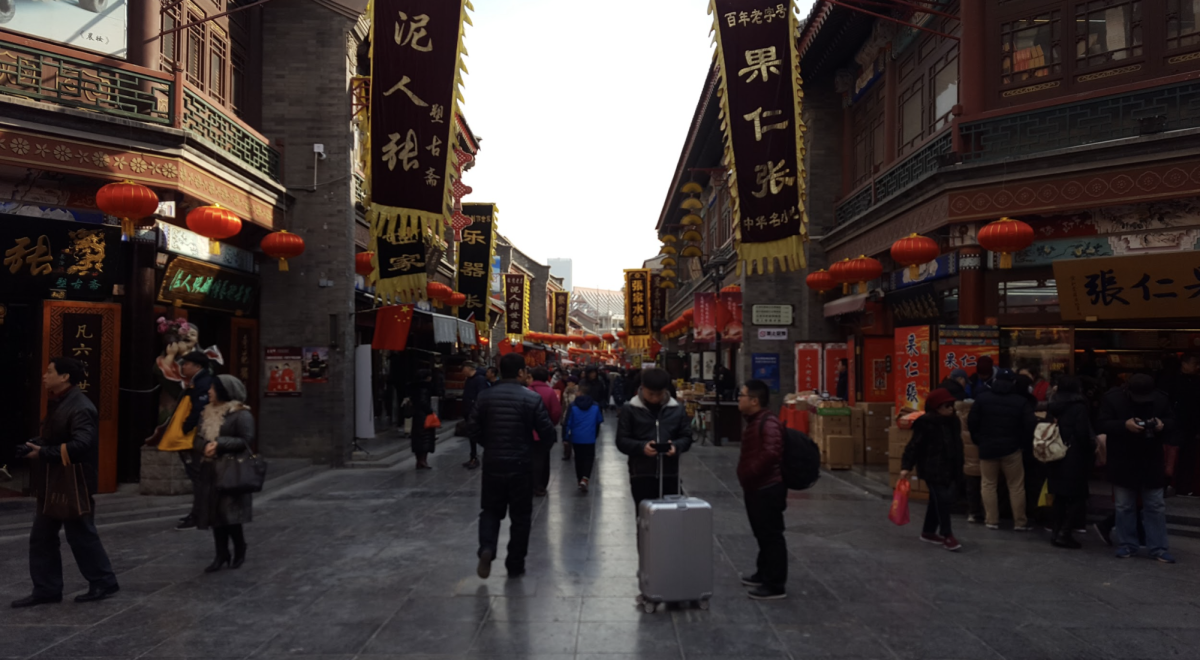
(1183, 24)
(1107, 32)
(1031, 48)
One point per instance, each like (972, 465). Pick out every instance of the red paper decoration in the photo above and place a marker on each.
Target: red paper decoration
(438, 291)
(821, 281)
(362, 263)
(914, 250)
(129, 201)
(282, 245)
(863, 270)
(214, 223)
(1006, 236)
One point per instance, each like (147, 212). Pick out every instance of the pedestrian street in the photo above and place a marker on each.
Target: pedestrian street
(380, 563)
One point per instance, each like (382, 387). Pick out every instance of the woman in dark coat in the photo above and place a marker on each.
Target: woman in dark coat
(226, 428)
(420, 396)
(1068, 477)
(936, 451)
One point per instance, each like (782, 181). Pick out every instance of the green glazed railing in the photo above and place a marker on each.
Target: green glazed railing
(215, 127)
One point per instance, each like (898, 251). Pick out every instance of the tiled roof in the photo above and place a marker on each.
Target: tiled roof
(604, 301)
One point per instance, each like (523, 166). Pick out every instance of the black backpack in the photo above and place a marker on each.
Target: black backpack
(801, 459)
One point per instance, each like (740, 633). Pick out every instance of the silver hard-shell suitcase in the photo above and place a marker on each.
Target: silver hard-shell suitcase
(675, 550)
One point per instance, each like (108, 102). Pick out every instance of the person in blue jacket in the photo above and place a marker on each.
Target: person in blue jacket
(581, 427)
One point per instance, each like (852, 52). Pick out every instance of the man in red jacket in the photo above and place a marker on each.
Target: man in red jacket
(760, 471)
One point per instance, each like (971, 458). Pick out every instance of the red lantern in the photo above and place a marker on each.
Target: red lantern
(820, 281)
(438, 291)
(1006, 236)
(214, 223)
(593, 339)
(129, 201)
(841, 274)
(608, 336)
(688, 314)
(732, 288)
(457, 299)
(621, 334)
(362, 263)
(282, 245)
(862, 270)
(913, 251)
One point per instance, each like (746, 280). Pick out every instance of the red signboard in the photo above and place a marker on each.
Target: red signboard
(704, 317)
(911, 364)
(729, 316)
(834, 353)
(876, 358)
(952, 355)
(808, 367)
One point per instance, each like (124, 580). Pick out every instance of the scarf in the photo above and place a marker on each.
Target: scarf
(214, 416)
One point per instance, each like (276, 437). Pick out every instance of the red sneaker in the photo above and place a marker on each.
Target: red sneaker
(932, 538)
(952, 544)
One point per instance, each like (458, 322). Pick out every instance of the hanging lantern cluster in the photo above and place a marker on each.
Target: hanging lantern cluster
(914, 250)
(840, 275)
(282, 245)
(214, 223)
(131, 202)
(438, 291)
(691, 222)
(821, 281)
(862, 270)
(1006, 236)
(679, 326)
(669, 252)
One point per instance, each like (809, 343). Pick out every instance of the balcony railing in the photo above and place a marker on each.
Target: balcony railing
(123, 90)
(923, 163)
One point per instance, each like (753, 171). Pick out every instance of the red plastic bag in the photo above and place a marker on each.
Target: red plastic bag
(432, 421)
(899, 512)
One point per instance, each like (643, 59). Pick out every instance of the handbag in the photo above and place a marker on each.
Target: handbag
(1048, 444)
(432, 421)
(241, 474)
(65, 496)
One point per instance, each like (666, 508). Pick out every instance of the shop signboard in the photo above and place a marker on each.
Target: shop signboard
(1140, 287)
(562, 309)
(658, 303)
(50, 259)
(833, 353)
(178, 240)
(771, 314)
(808, 367)
(765, 367)
(773, 334)
(516, 305)
(704, 317)
(961, 346)
(474, 256)
(191, 283)
(918, 305)
(938, 269)
(284, 365)
(729, 316)
(637, 307)
(912, 368)
(876, 369)
(94, 26)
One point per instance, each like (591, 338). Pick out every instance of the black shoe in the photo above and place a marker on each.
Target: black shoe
(95, 594)
(239, 557)
(766, 593)
(186, 522)
(539, 493)
(485, 563)
(471, 464)
(1065, 541)
(515, 574)
(30, 601)
(216, 565)
(752, 581)
(1105, 533)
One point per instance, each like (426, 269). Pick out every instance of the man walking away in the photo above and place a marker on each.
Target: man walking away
(1001, 424)
(1185, 395)
(653, 417)
(581, 428)
(1137, 418)
(983, 377)
(476, 383)
(194, 368)
(503, 422)
(597, 386)
(69, 432)
(760, 472)
(545, 445)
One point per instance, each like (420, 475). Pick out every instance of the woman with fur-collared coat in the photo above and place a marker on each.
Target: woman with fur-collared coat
(226, 428)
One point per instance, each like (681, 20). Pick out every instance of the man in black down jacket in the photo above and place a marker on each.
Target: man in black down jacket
(653, 415)
(1001, 424)
(1137, 419)
(503, 422)
(476, 382)
(71, 423)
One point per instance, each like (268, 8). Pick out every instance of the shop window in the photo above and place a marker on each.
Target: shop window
(1028, 297)
(911, 116)
(1107, 32)
(945, 92)
(1183, 23)
(1045, 350)
(195, 53)
(1030, 48)
(216, 68)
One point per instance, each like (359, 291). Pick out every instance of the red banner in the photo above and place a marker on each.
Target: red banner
(911, 367)
(808, 367)
(704, 317)
(729, 316)
(953, 356)
(834, 353)
(391, 327)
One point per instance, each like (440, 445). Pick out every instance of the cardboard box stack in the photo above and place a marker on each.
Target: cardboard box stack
(897, 440)
(869, 424)
(830, 429)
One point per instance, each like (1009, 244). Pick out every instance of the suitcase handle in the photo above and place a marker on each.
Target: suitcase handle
(661, 476)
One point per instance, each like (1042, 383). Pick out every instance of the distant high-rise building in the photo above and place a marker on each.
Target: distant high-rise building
(561, 268)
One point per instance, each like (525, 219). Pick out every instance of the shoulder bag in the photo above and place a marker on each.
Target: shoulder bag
(241, 473)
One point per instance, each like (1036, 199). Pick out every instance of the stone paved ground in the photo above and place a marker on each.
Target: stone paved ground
(375, 564)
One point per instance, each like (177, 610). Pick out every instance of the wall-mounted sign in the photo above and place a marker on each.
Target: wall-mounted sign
(197, 284)
(61, 260)
(771, 314)
(284, 370)
(1150, 286)
(190, 244)
(773, 334)
(765, 367)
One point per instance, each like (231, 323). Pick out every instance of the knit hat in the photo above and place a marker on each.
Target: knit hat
(985, 368)
(958, 373)
(230, 388)
(937, 399)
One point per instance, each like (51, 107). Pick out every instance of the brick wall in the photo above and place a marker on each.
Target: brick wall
(306, 100)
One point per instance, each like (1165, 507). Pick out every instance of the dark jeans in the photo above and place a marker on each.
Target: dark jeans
(937, 514)
(474, 448)
(585, 458)
(646, 488)
(541, 465)
(511, 493)
(1068, 510)
(221, 537)
(45, 560)
(765, 509)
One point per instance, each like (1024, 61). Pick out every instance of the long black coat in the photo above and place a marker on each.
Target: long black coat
(218, 509)
(72, 421)
(1069, 476)
(936, 449)
(421, 397)
(1001, 421)
(637, 425)
(1133, 460)
(503, 422)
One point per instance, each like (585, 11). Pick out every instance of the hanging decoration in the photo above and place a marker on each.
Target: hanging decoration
(129, 201)
(400, 263)
(821, 281)
(658, 302)
(914, 250)
(561, 312)
(214, 223)
(475, 253)
(363, 264)
(1006, 236)
(760, 95)
(516, 306)
(282, 245)
(438, 291)
(637, 307)
(391, 328)
(863, 270)
(841, 274)
(456, 299)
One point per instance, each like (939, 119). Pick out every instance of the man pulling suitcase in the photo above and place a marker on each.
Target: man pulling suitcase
(653, 419)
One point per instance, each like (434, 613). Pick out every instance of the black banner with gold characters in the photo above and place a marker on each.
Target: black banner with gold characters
(516, 305)
(475, 263)
(637, 308)
(764, 134)
(58, 260)
(400, 263)
(658, 303)
(562, 310)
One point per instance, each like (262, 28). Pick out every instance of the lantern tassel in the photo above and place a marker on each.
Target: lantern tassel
(214, 247)
(845, 288)
(1005, 260)
(914, 271)
(126, 229)
(283, 267)
(862, 287)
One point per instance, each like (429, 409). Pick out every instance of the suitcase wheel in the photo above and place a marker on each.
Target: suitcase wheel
(703, 604)
(649, 607)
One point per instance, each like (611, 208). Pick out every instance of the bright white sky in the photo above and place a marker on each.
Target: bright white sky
(583, 108)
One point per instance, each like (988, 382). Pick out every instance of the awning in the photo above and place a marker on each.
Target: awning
(445, 329)
(847, 305)
(466, 332)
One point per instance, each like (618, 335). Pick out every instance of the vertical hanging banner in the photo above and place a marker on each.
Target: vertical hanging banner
(516, 306)
(912, 366)
(808, 367)
(416, 71)
(658, 303)
(562, 309)
(729, 316)
(474, 279)
(637, 308)
(759, 70)
(704, 318)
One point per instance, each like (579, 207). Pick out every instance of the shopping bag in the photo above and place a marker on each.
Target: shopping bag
(899, 512)
(174, 439)
(65, 496)
(432, 421)
(1045, 499)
